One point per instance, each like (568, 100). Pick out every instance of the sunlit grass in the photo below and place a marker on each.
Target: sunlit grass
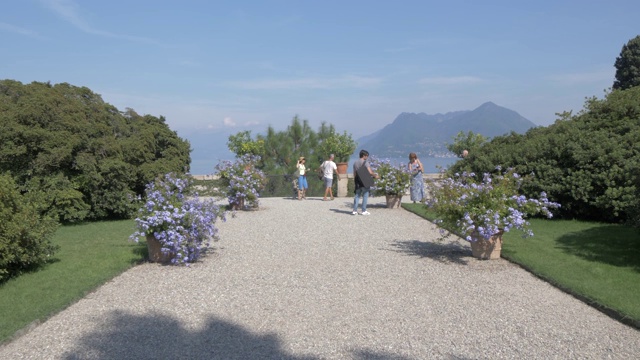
(89, 255)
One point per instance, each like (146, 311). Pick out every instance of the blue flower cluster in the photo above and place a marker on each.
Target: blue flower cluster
(184, 226)
(474, 209)
(242, 179)
(392, 179)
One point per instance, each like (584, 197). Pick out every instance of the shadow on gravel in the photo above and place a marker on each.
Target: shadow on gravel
(443, 252)
(342, 211)
(127, 336)
(368, 355)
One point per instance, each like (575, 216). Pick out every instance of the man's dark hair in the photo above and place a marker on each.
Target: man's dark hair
(363, 153)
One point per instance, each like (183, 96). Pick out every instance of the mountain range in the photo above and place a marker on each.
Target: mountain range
(428, 135)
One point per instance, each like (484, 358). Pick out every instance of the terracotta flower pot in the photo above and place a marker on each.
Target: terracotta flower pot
(342, 167)
(487, 249)
(155, 251)
(393, 201)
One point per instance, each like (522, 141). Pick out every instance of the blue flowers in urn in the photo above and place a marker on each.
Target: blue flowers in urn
(479, 207)
(178, 228)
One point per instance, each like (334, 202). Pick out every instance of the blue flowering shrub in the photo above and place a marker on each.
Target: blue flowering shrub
(473, 207)
(242, 180)
(184, 225)
(391, 180)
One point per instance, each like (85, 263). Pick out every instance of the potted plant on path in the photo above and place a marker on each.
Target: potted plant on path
(177, 228)
(242, 180)
(481, 210)
(392, 181)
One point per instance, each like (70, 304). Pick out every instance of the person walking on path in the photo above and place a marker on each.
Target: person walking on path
(361, 189)
(328, 167)
(417, 183)
(302, 178)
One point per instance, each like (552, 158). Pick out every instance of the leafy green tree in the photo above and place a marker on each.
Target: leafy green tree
(341, 145)
(469, 141)
(280, 150)
(628, 65)
(78, 157)
(242, 143)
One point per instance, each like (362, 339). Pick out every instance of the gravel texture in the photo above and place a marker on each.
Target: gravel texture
(308, 280)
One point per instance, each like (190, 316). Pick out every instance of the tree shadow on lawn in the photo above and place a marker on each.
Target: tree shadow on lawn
(445, 252)
(157, 336)
(609, 244)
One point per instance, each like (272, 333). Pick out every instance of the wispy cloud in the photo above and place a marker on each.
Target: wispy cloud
(348, 81)
(452, 80)
(18, 30)
(68, 10)
(229, 122)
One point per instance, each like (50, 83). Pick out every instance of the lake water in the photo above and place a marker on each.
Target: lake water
(430, 163)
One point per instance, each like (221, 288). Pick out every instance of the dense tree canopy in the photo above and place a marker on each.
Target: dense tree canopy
(280, 149)
(628, 65)
(589, 162)
(79, 157)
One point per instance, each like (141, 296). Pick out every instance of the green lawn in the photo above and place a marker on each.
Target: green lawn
(89, 255)
(600, 263)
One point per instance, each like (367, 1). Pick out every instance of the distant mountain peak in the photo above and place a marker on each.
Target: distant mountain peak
(428, 135)
(488, 104)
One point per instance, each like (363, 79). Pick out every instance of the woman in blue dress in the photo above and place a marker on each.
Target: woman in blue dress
(417, 183)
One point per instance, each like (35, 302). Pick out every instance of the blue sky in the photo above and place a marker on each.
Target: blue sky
(219, 67)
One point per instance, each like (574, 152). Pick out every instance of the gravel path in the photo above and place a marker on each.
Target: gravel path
(308, 280)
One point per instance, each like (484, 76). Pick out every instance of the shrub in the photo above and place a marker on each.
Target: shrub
(391, 180)
(243, 181)
(471, 207)
(25, 235)
(183, 226)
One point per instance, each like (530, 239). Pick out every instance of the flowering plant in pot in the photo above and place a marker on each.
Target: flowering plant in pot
(243, 181)
(482, 209)
(177, 228)
(392, 181)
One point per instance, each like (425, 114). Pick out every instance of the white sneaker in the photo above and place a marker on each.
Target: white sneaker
(366, 213)
(355, 213)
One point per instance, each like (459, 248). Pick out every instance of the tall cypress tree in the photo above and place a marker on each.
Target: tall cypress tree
(628, 65)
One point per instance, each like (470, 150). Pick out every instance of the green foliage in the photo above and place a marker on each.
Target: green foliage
(24, 234)
(78, 157)
(588, 162)
(341, 145)
(281, 149)
(241, 144)
(628, 65)
(469, 141)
